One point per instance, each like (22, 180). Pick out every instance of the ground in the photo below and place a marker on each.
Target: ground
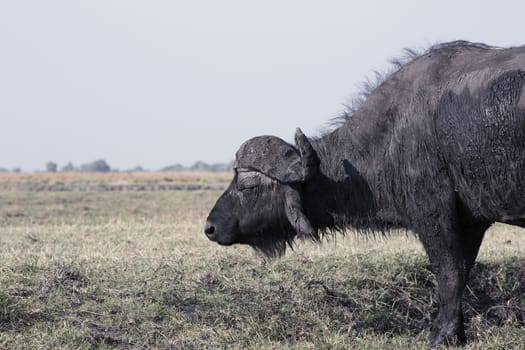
(132, 270)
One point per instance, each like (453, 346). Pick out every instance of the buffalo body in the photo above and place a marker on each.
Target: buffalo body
(437, 148)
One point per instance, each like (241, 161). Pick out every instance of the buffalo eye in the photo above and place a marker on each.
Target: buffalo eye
(247, 180)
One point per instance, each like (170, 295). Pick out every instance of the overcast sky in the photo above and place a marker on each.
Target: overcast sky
(154, 83)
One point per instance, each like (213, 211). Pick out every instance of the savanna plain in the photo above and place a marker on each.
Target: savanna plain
(132, 269)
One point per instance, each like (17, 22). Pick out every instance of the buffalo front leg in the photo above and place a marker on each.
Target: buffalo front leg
(442, 243)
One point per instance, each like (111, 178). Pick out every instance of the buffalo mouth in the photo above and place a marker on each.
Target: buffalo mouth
(231, 239)
(226, 243)
(225, 240)
(254, 239)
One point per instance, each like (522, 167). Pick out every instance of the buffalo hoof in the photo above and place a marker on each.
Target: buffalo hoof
(448, 334)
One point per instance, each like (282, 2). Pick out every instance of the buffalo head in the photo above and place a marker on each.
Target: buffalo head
(262, 206)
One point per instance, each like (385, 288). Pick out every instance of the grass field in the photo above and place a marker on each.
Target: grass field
(133, 270)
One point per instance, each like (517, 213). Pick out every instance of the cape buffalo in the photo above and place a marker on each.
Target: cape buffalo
(437, 148)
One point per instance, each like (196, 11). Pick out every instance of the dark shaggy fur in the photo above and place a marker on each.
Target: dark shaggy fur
(437, 147)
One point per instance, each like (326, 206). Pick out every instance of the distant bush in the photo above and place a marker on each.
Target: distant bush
(69, 167)
(175, 167)
(51, 167)
(200, 165)
(137, 169)
(98, 166)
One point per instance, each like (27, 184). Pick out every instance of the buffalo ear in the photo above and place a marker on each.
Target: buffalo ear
(309, 159)
(295, 215)
(271, 156)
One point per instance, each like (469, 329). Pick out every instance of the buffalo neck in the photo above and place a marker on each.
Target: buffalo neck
(344, 192)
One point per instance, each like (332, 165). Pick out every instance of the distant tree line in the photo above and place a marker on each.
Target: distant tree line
(201, 166)
(96, 166)
(14, 170)
(101, 166)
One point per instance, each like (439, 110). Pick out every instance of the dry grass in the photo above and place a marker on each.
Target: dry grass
(132, 270)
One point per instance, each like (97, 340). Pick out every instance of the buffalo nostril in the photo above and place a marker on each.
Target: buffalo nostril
(209, 229)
